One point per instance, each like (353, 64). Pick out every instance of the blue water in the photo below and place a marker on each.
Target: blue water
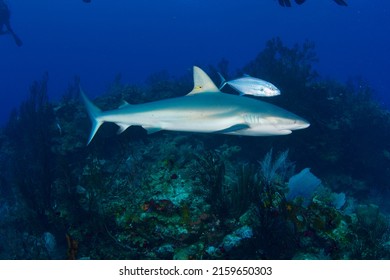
(137, 38)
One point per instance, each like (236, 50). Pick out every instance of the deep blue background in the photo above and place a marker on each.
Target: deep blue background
(137, 38)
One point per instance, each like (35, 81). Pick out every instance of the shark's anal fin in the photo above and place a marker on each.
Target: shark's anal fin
(122, 127)
(233, 128)
(202, 82)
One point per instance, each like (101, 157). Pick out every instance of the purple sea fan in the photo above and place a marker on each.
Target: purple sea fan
(304, 184)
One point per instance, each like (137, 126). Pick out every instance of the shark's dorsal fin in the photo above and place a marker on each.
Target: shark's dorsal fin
(202, 82)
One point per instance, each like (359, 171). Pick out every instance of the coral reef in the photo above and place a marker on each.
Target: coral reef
(193, 196)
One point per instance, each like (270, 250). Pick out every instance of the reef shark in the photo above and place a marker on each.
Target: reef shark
(205, 109)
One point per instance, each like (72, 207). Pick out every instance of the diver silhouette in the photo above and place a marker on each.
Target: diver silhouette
(287, 3)
(4, 22)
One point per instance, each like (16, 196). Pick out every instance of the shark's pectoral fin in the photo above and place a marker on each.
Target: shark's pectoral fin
(151, 130)
(233, 128)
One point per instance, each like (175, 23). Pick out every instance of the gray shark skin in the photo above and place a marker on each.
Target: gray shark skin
(205, 109)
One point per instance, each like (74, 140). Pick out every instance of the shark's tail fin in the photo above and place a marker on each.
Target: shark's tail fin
(223, 81)
(94, 113)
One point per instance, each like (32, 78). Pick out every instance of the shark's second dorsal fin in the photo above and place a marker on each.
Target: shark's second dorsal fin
(202, 82)
(124, 104)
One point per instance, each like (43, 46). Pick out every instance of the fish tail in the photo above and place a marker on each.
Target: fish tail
(94, 114)
(223, 81)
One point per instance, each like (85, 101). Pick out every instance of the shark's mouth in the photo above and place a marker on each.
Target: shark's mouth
(285, 131)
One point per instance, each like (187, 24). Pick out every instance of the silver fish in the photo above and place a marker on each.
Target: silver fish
(248, 85)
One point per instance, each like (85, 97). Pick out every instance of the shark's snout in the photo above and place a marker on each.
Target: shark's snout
(301, 124)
